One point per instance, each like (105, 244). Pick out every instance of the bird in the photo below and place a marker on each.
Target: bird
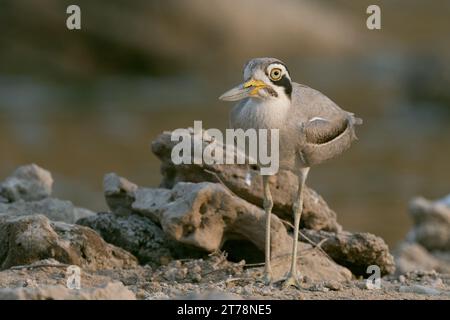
(312, 129)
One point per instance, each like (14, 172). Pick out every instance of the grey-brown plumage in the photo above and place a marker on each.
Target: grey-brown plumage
(312, 129)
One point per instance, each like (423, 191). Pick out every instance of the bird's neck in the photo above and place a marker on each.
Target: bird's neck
(269, 113)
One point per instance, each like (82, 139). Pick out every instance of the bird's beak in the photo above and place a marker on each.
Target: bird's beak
(245, 90)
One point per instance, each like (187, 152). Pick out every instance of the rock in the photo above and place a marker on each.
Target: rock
(419, 289)
(26, 239)
(412, 257)
(119, 193)
(431, 223)
(206, 215)
(110, 291)
(355, 251)
(140, 236)
(427, 245)
(333, 285)
(29, 183)
(54, 209)
(245, 181)
(311, 263)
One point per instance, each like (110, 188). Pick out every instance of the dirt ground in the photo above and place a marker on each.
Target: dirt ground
(216, 278)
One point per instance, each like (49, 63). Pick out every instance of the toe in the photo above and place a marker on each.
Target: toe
(291, 282)
(268, 278)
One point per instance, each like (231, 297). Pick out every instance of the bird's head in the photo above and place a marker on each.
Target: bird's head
(264, 78)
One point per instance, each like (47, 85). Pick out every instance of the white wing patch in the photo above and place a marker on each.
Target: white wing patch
(318, 119)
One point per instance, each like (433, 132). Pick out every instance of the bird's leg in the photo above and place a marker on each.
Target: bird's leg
(292, 279)
(268, 204)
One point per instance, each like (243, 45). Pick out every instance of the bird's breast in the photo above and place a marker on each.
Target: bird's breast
(257, 114)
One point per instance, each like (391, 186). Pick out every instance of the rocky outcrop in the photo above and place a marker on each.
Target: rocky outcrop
(140, 236)
(28, 191)
(119, 193)
(245, 181)
(413, 257)
(54, 209)
(431, 223)
(427, 245)
(356, 251)
(26, 239)
(206, 216)
(28, 183)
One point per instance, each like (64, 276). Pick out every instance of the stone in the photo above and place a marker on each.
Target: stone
(427, 244)
(245, 181)
(140, 236)
(207, 215)
(333, 285)
(26, 239)
(110, 291)
(311, 263)
(54, 209)
(412, 256)
(356, 251)
(119, 193)
(431, 221)
(29, 183)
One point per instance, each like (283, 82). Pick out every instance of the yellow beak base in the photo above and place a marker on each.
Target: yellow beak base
(256, 84)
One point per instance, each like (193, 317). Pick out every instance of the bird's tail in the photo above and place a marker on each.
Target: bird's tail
(358, 121)
(355, 120)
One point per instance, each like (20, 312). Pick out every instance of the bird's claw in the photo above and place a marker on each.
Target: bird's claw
(291, 281)
(267, 278)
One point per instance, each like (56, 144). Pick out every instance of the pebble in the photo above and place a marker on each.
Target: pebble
(157, 296)
(333, 285)
(30, 283)
(197, 277)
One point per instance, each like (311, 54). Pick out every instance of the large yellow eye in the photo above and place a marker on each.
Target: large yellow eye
(275, 74)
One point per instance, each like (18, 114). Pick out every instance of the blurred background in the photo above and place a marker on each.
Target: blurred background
(84, 103)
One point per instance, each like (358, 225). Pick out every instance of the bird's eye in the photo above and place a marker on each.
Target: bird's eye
(275, 74)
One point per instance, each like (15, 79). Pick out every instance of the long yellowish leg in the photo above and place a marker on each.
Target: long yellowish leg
(292, 278)
(268, 205)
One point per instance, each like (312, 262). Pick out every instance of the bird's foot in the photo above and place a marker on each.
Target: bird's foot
(267, 278)
(291, 281)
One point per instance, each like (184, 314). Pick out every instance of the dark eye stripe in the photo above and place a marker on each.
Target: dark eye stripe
(285, 83)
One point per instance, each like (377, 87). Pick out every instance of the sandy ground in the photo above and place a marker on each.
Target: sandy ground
(216, 278)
